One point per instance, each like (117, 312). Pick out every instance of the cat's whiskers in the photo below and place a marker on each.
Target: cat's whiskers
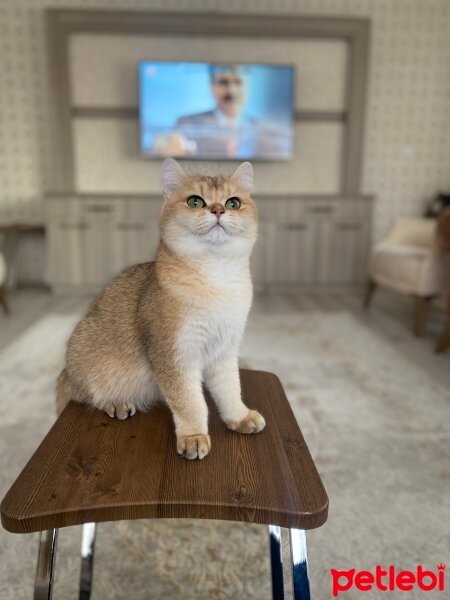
(240, 228)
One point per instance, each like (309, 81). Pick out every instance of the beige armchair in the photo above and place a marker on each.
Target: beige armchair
(408, 260)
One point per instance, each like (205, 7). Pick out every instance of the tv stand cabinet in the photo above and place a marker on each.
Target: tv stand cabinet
(304, 242)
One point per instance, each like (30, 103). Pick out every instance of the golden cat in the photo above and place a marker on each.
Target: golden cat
(161, 329)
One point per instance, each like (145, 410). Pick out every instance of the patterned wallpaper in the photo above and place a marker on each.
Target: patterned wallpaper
(406, 158)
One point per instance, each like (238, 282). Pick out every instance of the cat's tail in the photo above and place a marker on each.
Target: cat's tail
(63, 392)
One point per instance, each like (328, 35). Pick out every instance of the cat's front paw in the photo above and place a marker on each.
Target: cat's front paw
(194, 446)
(253, 422)
(120, 411)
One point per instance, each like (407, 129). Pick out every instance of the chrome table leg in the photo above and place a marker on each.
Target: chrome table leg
(87, 560)
(299, 558)
(43, 584)
(276, 562)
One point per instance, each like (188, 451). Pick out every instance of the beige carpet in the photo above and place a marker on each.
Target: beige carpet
(377, 426)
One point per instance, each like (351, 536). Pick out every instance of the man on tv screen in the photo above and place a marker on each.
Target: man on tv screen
(226, 130)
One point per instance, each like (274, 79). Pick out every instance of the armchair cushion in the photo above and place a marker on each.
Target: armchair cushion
(407, 260)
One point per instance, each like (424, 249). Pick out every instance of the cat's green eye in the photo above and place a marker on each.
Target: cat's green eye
(233, 203)
(195, 202)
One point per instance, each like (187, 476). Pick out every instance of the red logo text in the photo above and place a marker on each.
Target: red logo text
(388, 579)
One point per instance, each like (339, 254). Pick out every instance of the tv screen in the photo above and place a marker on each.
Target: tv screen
(216, 111)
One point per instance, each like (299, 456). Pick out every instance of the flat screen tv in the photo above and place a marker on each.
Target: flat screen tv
(216, 111)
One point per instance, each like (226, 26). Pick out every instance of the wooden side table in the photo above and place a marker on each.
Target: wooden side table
(91, 468)
(12, 232)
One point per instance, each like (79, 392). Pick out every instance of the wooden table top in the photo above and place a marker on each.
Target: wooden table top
(90, 467)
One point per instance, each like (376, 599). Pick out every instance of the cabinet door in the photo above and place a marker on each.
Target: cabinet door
(65, 252)
(143, 240)
(291, 253)
(98, 249)
(134, 243)
(258, 261)
(341, 252)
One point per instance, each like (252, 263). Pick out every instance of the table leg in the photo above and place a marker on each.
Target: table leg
(444, 340)
(87, 560)
(299, 558)
(43, 585)
(10, 250)
(276, 562)
(3, 300)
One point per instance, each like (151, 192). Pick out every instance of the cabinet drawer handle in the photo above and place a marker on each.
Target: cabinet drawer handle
(99, 208)
(349, 226)
(73, 226)
(321, 210)
(294, 227)
(132, 226)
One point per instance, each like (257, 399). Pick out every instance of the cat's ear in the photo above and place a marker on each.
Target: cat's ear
(172, 175)
(244, 176)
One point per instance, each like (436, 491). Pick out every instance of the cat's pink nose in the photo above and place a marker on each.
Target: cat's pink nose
(218, 210)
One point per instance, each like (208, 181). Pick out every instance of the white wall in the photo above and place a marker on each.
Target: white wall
(408, 126)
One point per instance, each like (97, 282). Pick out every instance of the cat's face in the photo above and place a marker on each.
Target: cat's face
(208, 213)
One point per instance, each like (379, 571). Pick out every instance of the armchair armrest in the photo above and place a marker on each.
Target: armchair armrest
(412, 232)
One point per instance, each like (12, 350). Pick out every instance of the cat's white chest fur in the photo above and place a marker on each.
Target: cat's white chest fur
(213, 329)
